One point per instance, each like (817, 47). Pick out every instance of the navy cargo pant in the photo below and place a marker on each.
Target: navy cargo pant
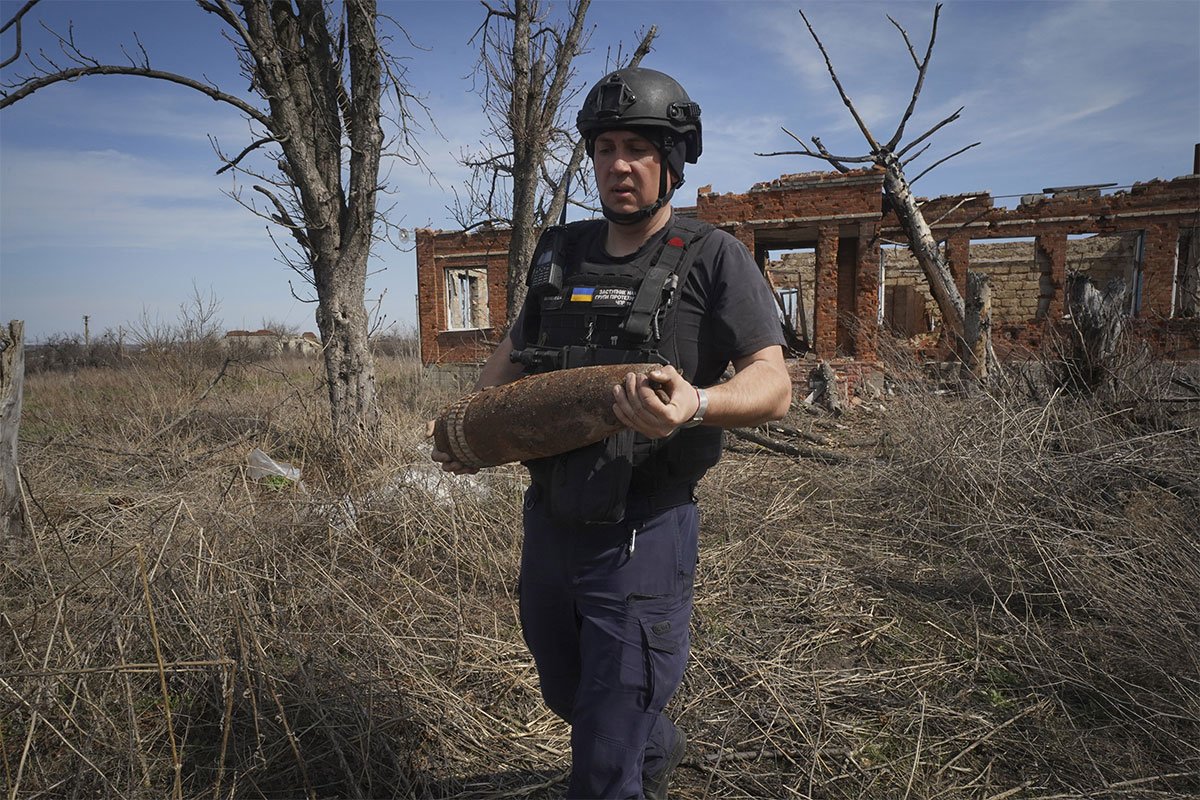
(605, 611)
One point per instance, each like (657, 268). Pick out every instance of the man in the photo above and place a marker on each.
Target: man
(610, 546)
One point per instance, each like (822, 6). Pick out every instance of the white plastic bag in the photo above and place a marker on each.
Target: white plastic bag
(261, 466)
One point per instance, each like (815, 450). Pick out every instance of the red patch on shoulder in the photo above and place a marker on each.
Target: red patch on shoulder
(675, 241)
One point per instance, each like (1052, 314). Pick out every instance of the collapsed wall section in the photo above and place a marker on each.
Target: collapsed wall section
(834, 214)
(1136, 236)
(1019, 272)
(844, 273)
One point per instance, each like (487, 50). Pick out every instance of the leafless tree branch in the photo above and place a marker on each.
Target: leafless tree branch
(15, 21)
(942, 161)
(232, 163)
(67, 75)
(862, 126)
(904, 33)
(838, 162)
(914, 156)
(962, 201)
(833, 160)
(930, 132)
(921, 68)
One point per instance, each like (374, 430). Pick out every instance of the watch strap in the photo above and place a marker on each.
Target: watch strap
(701, 409)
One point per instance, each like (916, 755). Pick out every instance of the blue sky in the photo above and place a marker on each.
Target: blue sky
(109, 205)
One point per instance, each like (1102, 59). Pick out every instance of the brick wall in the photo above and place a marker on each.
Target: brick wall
(833, 213)
(437, 252)
(1152, 213)
(807, 196)
(1020, 272)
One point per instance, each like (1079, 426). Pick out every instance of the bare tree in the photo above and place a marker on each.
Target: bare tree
(521, 176)
(320, 74)
(890, 156)
(12, 382)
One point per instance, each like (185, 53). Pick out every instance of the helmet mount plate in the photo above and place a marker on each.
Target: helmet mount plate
(613, 99)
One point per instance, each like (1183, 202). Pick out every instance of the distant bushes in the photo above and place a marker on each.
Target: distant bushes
(66, 353)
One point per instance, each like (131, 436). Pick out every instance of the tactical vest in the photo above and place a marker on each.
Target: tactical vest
(580, 313)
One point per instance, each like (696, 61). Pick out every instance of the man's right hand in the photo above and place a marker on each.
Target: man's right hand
(447, 462)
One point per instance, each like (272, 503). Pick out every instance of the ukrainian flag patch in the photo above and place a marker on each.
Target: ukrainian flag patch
(583, 294)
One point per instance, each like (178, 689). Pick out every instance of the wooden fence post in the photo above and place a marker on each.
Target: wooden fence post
(12, 380)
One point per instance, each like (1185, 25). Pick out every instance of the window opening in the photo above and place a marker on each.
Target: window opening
(1102, 258)
(1020, 276)
(1135, 278)
(466, 299)
(906, 306)
(1185, 289)
(793, 275)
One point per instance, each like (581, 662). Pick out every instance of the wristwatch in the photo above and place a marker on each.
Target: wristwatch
(701, 409)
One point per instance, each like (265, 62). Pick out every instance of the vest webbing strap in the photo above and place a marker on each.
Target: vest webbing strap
(649, 297)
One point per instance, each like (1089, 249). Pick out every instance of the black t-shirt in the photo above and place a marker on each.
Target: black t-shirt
(725, 311)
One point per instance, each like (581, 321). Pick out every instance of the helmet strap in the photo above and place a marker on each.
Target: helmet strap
(664, 194)
(634, 217)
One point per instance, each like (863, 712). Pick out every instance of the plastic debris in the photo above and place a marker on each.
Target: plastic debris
(277, 474)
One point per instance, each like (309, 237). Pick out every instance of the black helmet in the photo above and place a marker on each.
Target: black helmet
(654, 105)
(641, 98)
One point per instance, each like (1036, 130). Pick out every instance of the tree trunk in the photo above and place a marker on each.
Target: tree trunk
(299, 75)
(12, 379)
(538, 81)
(526, 97)
(349, 366)
(524, 239)
(924, 248)
(822, 380)
(977, 326)
(1098, 319)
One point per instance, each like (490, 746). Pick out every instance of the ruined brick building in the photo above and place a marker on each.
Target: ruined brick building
(835, 256)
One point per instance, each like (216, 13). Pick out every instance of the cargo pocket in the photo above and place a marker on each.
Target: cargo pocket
(666, 650)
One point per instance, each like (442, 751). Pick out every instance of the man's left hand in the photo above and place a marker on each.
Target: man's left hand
(656, 403)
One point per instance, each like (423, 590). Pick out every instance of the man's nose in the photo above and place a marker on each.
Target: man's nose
(620, 164)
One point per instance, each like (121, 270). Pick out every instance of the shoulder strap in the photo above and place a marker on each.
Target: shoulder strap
(580, 235)
(668, 271)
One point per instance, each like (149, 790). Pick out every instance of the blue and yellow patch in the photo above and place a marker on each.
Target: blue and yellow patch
(583, 294)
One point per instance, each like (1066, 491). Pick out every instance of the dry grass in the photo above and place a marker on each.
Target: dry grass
(994, 598)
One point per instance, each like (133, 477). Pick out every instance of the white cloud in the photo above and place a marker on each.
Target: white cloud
(853, 34)
(1048, 87)
(107, 198)
(135, 107)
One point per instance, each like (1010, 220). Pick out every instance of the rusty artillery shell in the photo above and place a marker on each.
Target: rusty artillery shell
(536, 416)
